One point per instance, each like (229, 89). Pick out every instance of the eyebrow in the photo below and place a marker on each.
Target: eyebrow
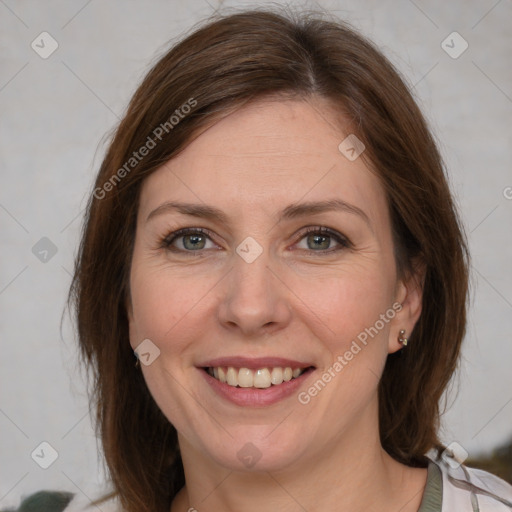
(292, 211)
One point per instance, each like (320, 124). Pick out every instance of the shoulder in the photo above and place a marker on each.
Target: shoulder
(471, 489)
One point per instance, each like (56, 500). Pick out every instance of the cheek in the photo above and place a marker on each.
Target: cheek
(347, 301)
(166, 310)
(165, 306)
(152, 314)
(357, 311)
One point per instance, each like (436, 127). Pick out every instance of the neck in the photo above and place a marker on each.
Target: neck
(352, 472)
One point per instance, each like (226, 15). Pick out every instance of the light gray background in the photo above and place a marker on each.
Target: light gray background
(55, 113)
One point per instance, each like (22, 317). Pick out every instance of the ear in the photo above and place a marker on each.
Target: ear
(409, 293)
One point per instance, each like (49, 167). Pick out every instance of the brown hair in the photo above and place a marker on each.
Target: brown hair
(221, 66)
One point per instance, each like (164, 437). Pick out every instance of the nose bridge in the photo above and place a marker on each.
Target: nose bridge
(251, 276)
(254, 298)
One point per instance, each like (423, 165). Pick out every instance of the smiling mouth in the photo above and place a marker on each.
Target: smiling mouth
(260, 378)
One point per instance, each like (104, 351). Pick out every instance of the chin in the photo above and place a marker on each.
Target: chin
(257, 449)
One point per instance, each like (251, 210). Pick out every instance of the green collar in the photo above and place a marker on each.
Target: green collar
(432, 500)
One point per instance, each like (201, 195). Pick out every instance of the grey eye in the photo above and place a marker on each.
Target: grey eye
(193, 242)
(318, 241)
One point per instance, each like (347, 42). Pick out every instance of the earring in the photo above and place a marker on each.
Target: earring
(137, 362)
(401, 337)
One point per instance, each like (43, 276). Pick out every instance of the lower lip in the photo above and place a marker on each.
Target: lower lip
(255, 397)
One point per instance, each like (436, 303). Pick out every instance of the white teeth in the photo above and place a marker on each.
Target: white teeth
(245, 378)
(261, 378)
(276, 377)
(232, 376)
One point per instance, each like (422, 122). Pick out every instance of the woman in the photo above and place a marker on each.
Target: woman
(272, 234)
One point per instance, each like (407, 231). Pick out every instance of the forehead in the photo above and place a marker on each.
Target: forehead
(265, 156)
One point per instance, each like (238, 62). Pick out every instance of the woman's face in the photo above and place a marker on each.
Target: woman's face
(261, 289)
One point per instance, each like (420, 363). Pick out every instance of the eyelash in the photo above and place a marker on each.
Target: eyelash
(166, 242)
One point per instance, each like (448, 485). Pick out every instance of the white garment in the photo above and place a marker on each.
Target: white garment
(471, 490)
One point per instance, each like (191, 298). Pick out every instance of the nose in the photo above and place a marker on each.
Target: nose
(255, 300)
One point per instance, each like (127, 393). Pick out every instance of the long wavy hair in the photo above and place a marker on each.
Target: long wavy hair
(219, 67)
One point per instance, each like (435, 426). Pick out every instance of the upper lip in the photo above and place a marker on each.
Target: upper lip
(254, 363)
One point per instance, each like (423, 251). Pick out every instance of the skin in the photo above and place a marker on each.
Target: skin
(295, 300)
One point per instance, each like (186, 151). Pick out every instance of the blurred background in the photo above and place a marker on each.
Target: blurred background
(68, 69)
